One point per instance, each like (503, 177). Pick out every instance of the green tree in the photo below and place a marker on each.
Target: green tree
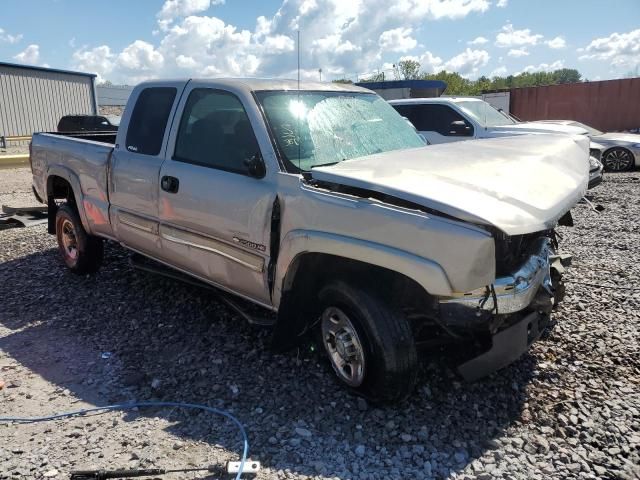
(409, 69)
(456, 83)
(341, 80)
(567, 75)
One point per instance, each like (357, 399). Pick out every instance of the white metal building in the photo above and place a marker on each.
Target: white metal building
(113, 95)
(32, 99)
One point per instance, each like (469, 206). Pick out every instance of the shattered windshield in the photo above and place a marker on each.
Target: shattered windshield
(485, 114)
(323, 128)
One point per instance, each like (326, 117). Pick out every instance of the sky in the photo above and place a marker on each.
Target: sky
(127, 41)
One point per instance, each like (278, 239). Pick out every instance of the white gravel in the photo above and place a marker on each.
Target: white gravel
(568, 409)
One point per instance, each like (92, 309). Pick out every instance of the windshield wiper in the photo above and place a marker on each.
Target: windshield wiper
(328, 164)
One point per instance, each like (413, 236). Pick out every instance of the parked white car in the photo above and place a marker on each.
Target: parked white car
(451, 119)
(620, 151)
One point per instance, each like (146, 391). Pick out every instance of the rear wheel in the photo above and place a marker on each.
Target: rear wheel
(80, 252)
(618, 159)
(369, 343)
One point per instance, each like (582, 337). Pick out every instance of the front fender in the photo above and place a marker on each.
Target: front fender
(425, 272)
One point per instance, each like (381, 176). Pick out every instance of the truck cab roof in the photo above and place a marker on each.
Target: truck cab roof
(260, 84)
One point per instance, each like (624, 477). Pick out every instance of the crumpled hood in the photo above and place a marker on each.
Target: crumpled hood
(535, 127)
(518, 184)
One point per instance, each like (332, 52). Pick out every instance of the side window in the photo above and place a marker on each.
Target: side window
(215, 132)
(442, 116)
(408, 112)
(422, 116)
(149, 120)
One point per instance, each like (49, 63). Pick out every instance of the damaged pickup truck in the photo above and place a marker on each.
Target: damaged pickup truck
(322, 204)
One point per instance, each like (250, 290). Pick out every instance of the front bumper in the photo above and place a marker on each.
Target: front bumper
(595, 173)
(511, 293)
(506, 346)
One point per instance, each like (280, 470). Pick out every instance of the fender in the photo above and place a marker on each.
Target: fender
(74, 181)
(425, 272)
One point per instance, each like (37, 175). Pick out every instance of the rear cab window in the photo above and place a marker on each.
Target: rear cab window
(149, 120)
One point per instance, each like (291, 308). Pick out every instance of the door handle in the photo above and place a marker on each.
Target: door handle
(169, 184)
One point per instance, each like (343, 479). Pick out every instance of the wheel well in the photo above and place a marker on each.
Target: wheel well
(310, 271)
(57, 188)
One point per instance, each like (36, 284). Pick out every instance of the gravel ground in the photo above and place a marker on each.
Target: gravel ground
(568, 409)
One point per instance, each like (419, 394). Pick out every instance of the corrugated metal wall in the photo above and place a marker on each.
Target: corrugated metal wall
(113, 95)
(34, 100)
(610, 106)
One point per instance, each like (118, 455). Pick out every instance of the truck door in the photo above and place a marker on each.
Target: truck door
(135, 167)
(215, 210)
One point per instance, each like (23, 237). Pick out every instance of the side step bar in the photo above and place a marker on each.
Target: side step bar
(252, 313)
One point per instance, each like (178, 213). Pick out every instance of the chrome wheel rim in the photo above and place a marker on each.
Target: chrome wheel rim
(343, 345)
(618, 160)
(69, 241)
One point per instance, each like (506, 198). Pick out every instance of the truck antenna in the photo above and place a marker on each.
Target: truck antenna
(298, 59)
(298, 106)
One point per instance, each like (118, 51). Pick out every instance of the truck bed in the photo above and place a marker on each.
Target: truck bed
(103, 137)
(81, 159)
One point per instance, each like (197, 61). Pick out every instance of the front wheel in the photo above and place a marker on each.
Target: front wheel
(618, 160)
(80, 252)
(369, 343)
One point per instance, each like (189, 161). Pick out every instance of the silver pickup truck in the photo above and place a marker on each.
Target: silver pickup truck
(319, 202)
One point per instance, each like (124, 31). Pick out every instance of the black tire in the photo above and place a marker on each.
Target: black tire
(618, 159)
(390, 356)
(80, 252)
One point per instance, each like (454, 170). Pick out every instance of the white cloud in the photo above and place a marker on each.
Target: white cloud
(556, 43)
(543, 67)
(341, 37)
(140, 58)
(478, 41)
(173, 9)
(8, 38)
(468, 62)
(509, 37)
(499, 72)
(397, 40)
(186, 62)
(99, 60)
(437, 9)
(29, 56)
(619, 49)
(502, 3)
(429, 63)
(279, 44)
(518, 52)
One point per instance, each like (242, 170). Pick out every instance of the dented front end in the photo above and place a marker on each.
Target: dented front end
(506, 317)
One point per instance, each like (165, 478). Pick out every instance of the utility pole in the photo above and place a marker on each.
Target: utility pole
(320, 72)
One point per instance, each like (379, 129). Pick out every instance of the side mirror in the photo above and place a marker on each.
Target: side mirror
(459, 127)
(255, 166)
